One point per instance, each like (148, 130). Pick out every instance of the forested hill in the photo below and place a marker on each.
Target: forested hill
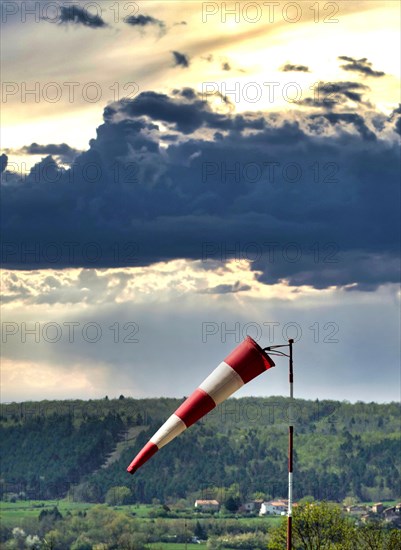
(51, 449)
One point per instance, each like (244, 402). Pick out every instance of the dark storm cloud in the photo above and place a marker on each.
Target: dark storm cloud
(331, 94)
(180, 59)
(393, 116)
(229, 187)
(296, 68)
(62, 150)
(361, 66)
(397, 126)
(144, 21)
(3, 162)
(80, 16)
(186, 113)
(350, 118)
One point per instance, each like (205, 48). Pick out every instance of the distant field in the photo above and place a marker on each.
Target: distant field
(14, 513)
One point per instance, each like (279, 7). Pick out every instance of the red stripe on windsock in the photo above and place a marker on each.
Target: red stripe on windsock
(143, 456)
(249, 360)
(197, 405)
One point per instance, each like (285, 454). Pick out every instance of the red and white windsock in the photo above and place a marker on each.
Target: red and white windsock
(242, 365)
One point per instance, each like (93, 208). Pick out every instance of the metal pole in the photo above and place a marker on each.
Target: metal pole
(290, 448)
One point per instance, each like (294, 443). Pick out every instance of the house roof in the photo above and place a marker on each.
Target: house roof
(214, 502)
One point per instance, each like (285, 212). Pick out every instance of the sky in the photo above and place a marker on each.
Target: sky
(179, 175)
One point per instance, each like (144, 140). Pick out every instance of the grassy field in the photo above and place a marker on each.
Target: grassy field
(13, 514)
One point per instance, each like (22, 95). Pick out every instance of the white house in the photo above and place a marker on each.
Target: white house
(274, 507)
(207, 505)
(251, 506)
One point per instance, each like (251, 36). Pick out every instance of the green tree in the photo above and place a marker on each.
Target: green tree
(117, 496)
(82, 543)
(85, 492)
(317, 526)
(52, 540)
(258, 495)
(48, 520)
(53, 514)
(200, 531)
(232, 504)
(19, 536)
(305, 499)
(350, 500)
(374, 535)
(394, 539)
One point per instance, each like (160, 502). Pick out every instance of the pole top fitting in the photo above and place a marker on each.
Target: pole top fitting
(291, 341)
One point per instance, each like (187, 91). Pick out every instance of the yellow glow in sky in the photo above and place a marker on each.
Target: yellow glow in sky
(106, 61)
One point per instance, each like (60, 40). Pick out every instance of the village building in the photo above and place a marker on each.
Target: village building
(357, 509)
(392, 514)
(377, 508)
(251, 507)
(274, 507)
(207, 505)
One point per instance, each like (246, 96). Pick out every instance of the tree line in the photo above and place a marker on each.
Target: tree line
(341, 450)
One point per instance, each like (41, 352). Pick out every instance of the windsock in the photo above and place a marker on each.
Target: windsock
(242, 365)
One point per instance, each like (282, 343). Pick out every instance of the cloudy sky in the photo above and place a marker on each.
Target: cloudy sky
(176, 176)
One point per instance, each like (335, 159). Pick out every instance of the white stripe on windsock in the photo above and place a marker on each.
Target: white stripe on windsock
(221, 383)
(170, 429)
